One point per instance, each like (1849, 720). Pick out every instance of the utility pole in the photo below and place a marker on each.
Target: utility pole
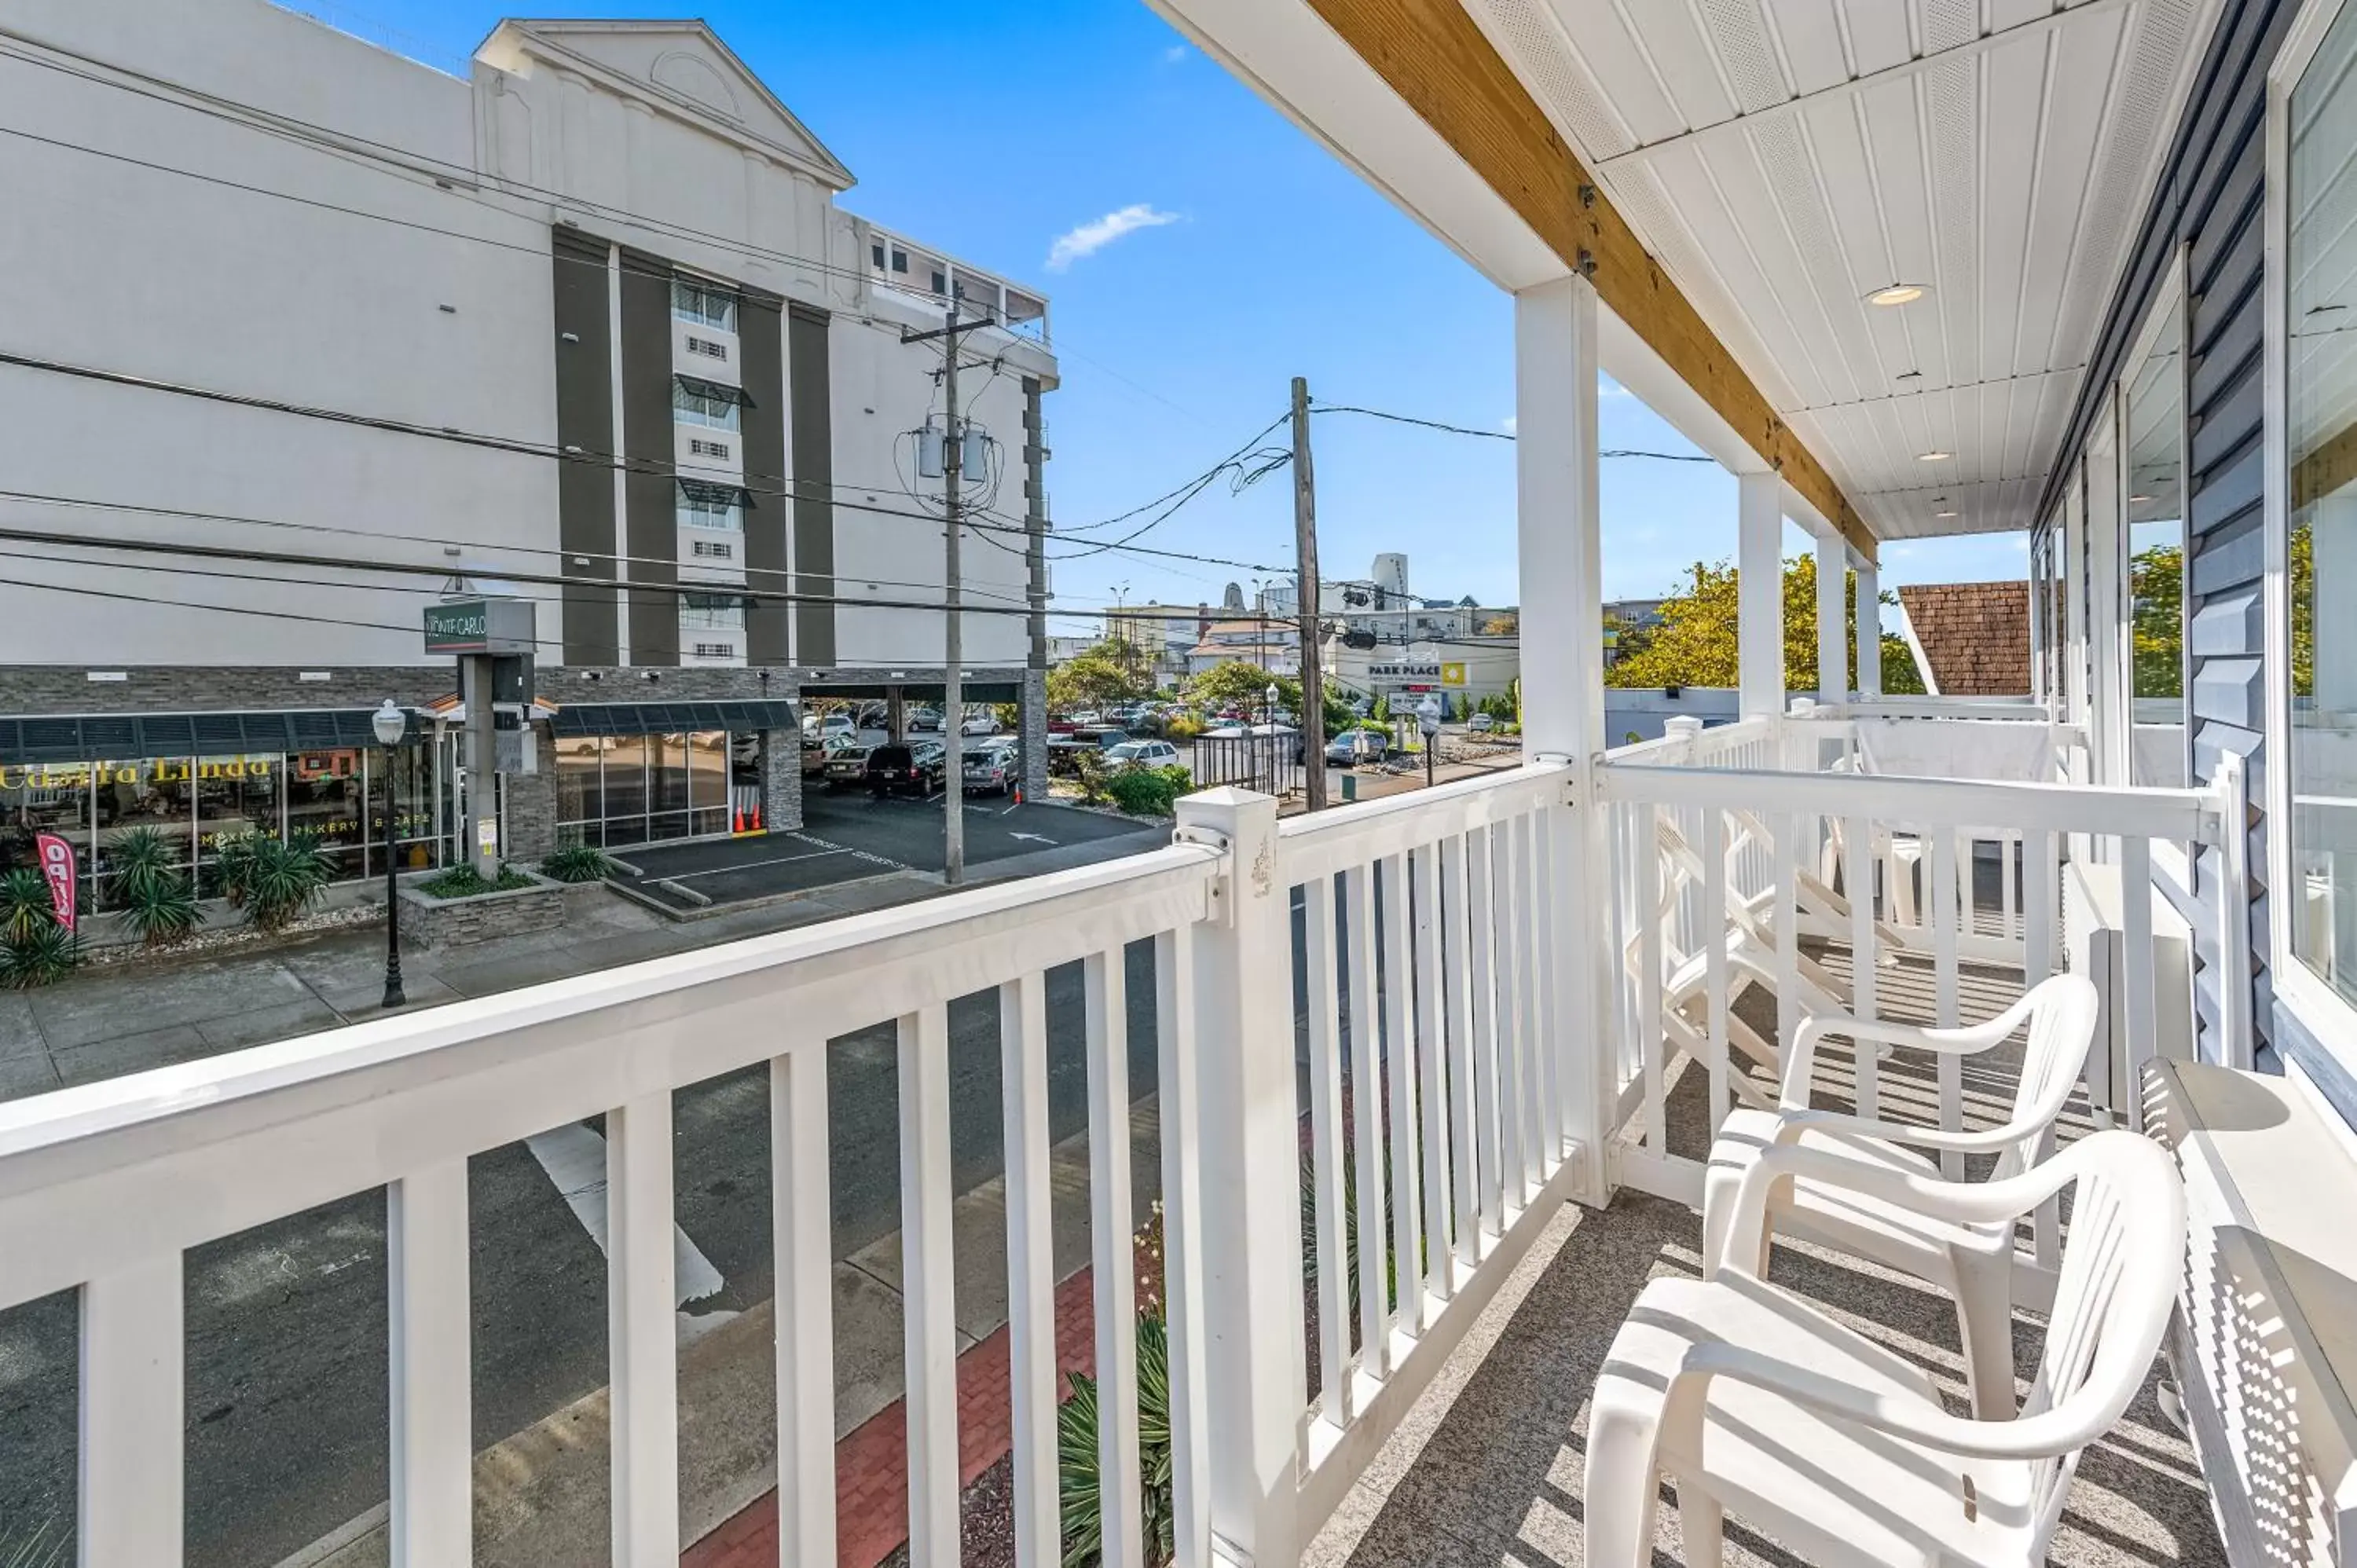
(953, 599)
(1305, 545)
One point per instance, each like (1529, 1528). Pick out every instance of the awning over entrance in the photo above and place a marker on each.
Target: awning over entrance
(668, 718)
(91, 737)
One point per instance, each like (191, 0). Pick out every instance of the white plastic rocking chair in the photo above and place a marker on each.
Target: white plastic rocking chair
(1756, 1401)
(1972, 1263)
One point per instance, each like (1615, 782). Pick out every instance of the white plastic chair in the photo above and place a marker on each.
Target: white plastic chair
(1972, 1263)
(1756, 1401)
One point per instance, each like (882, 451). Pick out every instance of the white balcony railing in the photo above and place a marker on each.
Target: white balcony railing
(1382, 1005)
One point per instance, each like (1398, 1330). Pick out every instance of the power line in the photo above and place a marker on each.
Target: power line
(513, 444)
(1502, 434)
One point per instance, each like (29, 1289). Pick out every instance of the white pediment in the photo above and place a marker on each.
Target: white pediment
(679, 66)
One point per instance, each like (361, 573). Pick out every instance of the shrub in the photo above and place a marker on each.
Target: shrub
(1089, 769)
(1182, 726)
(24, 905)
(1083, 1509)
(143, 861)
(465, 882)
(280, 881)
(234, 867)
(578, 863)
(44, 955)
(162, 909)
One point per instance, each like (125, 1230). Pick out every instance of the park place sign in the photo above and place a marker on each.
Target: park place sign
(481, 626)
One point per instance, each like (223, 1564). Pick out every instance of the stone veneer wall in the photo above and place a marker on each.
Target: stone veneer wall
(1033, 720)
(457, 922)
(781, 779)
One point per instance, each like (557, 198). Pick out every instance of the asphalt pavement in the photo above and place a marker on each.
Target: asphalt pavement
(849, 836)
(287, 1409)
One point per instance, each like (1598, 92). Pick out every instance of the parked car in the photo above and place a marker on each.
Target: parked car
(1086, 716)
(1142, 754)
(996, 766)
(979, 724)
(846, 764)
(1353, 746)
(906, 769)
(925, 721)
(1481, 723)
(828, 726)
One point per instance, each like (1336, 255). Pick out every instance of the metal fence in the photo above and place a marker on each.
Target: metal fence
(1269, 763)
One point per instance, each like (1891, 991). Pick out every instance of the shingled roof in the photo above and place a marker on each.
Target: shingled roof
(1972, 637)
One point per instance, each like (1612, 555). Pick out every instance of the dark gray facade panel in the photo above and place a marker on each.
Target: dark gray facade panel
(583, 355)
(2227, 623)
(650, 491)
(2208, 201)
(769, 521)
(810, 390)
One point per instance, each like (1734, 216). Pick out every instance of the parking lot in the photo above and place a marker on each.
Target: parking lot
(848, 836)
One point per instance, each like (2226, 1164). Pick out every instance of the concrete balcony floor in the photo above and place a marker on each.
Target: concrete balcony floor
(1488, 1468)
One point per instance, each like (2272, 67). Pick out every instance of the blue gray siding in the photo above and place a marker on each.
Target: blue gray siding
(2210, 202)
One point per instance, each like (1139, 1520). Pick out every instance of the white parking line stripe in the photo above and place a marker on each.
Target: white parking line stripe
(574, 1158)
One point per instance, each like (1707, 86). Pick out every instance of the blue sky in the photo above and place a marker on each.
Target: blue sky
(1001, 126)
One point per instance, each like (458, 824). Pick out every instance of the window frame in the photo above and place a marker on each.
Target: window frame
(2315, 1011)
(2166, 311)
(698, 308)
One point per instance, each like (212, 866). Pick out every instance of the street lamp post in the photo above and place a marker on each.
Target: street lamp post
(1268, 718)
(391, 725)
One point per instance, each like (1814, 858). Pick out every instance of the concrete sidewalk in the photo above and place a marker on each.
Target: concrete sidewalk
(126, 1017)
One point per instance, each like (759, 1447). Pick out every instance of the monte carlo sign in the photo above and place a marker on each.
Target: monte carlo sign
(480, 626)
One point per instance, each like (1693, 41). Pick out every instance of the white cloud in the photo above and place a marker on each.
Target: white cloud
(1096, 234)
(1176, 54)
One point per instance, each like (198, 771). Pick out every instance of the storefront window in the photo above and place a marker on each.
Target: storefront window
(670, 778)
(708, 756)
(410, 771)
(155, 794)
(580, 795)
(2321, 433)
(237, 797)
(44, 798)
(2156, 520)
(324, 805)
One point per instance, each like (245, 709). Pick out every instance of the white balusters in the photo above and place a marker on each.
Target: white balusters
(132, 1430)
(803, 1226)
(1865, 948)
(1432, 1044)
(1326, 1145)
(1941, 885)
(643, 1334)
(1481, 972)
(1366, 1120)
(928, 1267)
(1182, 1255)
(1714, 937)
(2136, 895)
(1031, 1268)
(1400, 1049)
(1119, 1500)
(1463, 1085)
(432, 1504)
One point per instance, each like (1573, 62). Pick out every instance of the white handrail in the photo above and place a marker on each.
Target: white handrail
(2185, 814)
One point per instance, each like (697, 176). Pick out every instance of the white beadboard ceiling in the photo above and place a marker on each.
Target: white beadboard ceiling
(1782, 158)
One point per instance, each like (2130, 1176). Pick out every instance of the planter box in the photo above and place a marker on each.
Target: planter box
(458, 922)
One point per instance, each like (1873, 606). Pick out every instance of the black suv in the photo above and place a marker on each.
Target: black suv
(905, 769)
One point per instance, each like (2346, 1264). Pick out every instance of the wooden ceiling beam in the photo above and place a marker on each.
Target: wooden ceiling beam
(1443, 67)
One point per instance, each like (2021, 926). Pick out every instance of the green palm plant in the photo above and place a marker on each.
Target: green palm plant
(1080, 1506)
(282, 881)
(234, 865)
(143, 859)
(25, 906)
(43, 957)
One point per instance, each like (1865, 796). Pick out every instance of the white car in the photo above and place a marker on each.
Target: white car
(830, 727)
(1481, 723)
(979, 724)
(1142, 754)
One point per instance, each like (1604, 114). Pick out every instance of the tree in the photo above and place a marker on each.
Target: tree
(1109, 671)
(1509, 625)
(2155, 629)
(1245, 687)
(1695, 643)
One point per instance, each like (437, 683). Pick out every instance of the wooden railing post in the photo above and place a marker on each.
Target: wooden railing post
(1250, 1151)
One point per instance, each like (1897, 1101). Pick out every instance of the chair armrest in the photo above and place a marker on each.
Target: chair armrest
(1970, 1041)
(1959, 1203)
(1982, 1141)
(2040, 1437)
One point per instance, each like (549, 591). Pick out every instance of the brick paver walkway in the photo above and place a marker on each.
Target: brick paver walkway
(871, 1465)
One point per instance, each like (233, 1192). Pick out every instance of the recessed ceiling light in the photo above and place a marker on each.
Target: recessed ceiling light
(1898, 293)
(1934, 455)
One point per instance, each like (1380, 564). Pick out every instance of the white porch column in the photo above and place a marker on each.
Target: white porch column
(1759, 562)
(1560, 553)
(1869, 631)
(1558, 539)
(1832, 618)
